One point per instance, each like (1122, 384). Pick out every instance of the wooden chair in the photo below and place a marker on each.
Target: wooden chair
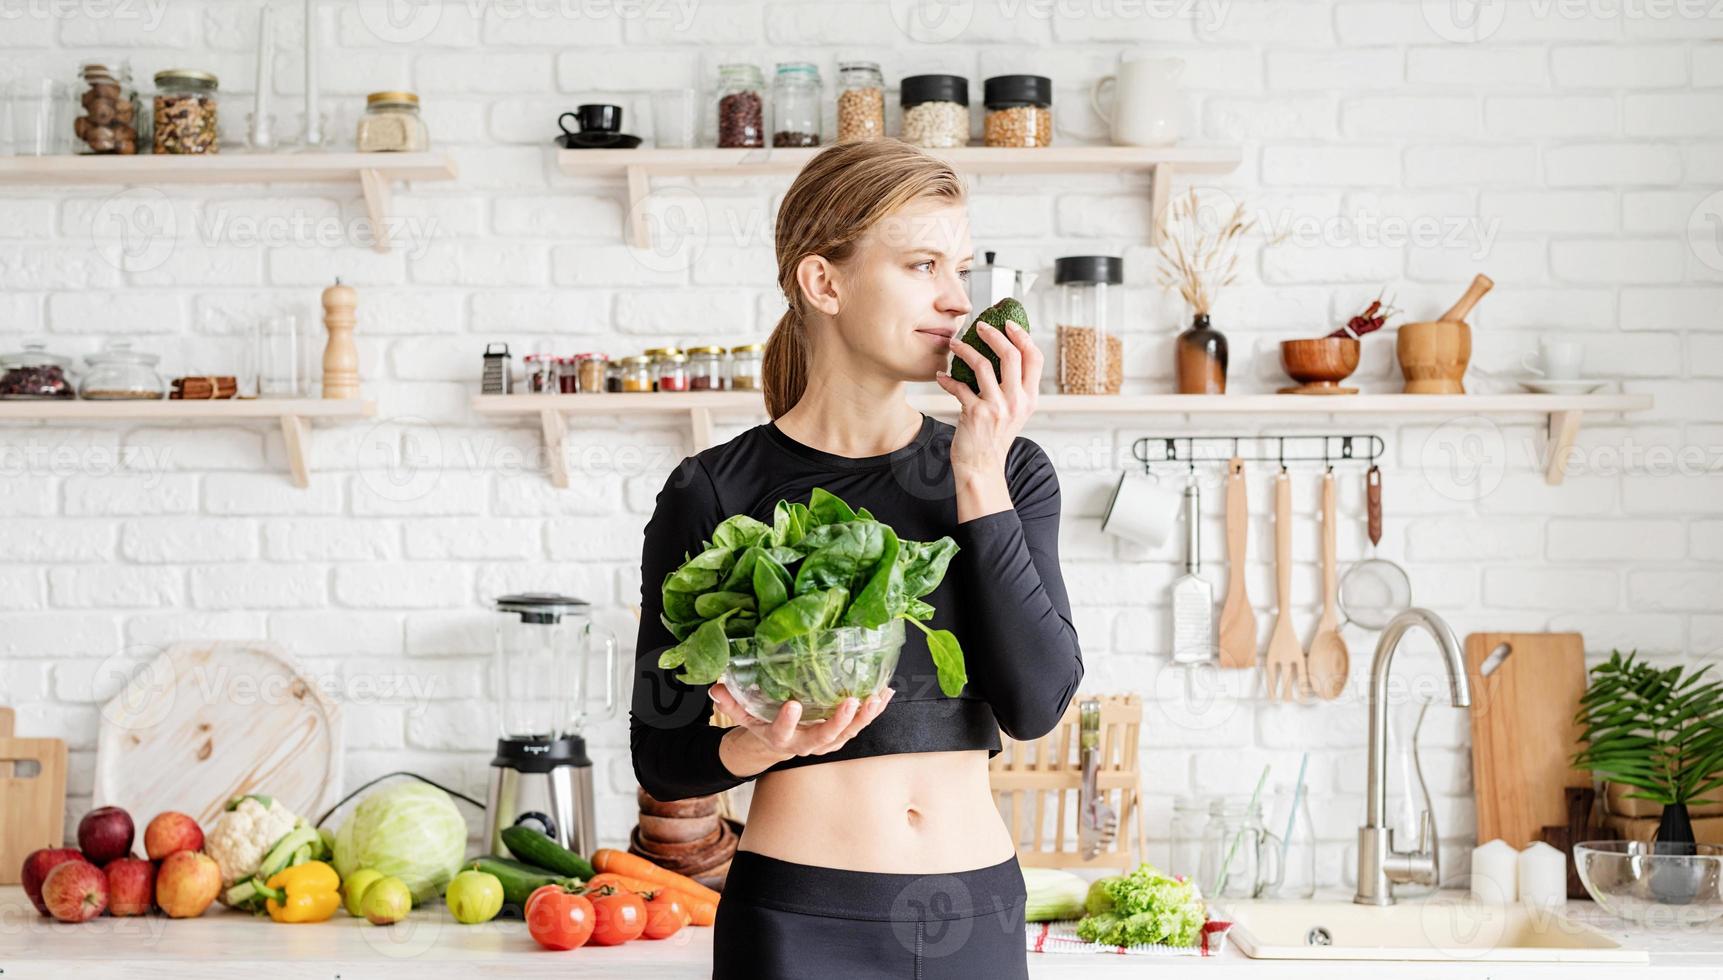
(1029, 779)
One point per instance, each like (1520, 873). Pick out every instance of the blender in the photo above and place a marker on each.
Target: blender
(550, 681)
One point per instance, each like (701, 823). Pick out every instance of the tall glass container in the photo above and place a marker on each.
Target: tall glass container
(861, 101)
(740, 105)
(796, 98)
(1091, 356)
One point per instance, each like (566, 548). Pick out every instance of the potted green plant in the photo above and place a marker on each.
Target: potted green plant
(1659, 730)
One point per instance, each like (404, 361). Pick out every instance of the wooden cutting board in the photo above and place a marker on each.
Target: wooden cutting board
(33, 802)
(208, 721)
(1523, 730)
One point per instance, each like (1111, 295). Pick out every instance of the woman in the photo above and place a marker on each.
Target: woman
(873, 847)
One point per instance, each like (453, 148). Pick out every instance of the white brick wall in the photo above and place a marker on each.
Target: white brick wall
(1566, 155)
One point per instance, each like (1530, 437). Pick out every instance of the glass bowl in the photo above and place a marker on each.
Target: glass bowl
(1650, 884)
(819, 670)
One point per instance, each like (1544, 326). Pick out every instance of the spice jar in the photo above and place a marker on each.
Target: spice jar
(657, 355)
(119, 372)
(745, 367)
(1019, 111)
(705, 368)
(185, 117)
(741, 106)
(110, 104)
(1085, 323)
(861, 101)
(568, 374)
(592, 369)
(35, 373)
(673, 372)
(391, 124)
(637, 373)
(540, 373)
(613, 376)
(935, 110)
(796, 95)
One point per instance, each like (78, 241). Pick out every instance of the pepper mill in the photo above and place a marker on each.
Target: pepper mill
(340, 355)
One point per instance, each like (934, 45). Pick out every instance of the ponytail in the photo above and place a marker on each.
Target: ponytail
(784, 368)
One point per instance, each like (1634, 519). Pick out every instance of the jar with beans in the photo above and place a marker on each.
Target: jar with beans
(861, 101)
(796, 98)
(935, 110)
(35, 373)
(746, 363)
(592, 368)
(185, 118)
(1091, 356)
(636, 373)
(705, 368)
(1019, 111)
(673, 372)
(110, 104)
(741, 106)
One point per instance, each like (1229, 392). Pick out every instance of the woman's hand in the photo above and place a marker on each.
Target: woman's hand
(991, 420)
(785, 739)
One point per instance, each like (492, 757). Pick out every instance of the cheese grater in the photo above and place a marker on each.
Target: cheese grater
(1193, 595)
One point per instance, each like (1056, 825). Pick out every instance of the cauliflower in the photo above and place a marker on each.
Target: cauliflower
(246, 831)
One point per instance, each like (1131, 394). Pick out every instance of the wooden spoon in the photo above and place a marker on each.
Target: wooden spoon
(1329, 662)
(1285, 672)
(1237, 621)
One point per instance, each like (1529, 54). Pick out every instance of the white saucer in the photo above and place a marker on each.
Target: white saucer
(1577, 386)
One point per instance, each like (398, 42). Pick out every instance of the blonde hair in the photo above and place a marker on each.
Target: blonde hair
(834, 201)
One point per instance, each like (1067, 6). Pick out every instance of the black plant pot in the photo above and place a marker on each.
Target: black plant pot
(1675, 882)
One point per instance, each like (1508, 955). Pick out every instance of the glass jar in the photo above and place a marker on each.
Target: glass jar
(1190, 820)
(861, 101)
(935, 110)
(540, 373)
(568, 375)
(1291, 809)
(1085, 326)
(636, 374)
(391, 124)
(705, 369)
(119, 373)
(613, 376)
(592, 368)
(746, 363)
(672, 374)
(1019, 111)
(796, 96)
(35, 373)
(186, 120)
(1241, 857)
(109, 123)
(741, 106)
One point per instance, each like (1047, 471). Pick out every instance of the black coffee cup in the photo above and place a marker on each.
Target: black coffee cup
(593, 118)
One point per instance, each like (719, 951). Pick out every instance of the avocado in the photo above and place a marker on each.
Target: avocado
(995, 315)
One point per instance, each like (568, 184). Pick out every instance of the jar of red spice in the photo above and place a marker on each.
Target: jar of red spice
(568, 374)
(673, 372)
(706, 368)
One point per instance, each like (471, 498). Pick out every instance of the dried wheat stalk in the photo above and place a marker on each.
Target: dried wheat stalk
(1196, 262)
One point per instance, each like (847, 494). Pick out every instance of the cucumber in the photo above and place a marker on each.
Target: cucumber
(537, 848)
(518, 880)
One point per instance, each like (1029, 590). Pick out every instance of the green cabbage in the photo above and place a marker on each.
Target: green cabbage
(1145, 906)
(411, 831)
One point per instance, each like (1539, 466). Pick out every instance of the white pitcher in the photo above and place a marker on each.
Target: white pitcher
(1147, 106)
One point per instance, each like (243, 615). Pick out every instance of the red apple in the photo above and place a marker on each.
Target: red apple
(131, 883)
(76, 891)
(170, 832)
(187, 883)
(36, 868)
(106, 833)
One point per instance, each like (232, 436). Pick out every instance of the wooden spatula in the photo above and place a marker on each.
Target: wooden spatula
(1329, 661)
(1284, 670)
(1237, 621)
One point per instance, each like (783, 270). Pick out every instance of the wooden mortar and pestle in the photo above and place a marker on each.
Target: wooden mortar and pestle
(1434, 354)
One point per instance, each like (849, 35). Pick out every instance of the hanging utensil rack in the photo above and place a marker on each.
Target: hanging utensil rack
(1328, 450)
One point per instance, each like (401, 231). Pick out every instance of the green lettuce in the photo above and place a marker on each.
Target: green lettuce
(1146, 906)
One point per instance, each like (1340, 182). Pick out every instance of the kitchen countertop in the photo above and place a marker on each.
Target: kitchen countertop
(223, 943)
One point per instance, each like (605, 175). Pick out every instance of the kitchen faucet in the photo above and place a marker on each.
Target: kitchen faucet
(1379, 864)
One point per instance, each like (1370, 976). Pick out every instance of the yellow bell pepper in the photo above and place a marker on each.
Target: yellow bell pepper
(309, 892)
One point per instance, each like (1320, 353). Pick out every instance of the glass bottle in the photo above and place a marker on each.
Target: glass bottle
(796, 97)
(740, 106)
(1201, 359)
(1190, 819)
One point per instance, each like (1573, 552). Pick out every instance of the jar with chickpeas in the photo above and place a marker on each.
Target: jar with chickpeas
(861, 101)
(1019, 111)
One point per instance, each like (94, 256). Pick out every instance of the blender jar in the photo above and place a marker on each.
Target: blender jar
(556, 672)
(1091, 356)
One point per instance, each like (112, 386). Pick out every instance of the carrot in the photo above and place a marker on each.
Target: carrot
(609, 860)
(703, 910)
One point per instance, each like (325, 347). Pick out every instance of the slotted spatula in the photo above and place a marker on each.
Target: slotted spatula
(1284, 672)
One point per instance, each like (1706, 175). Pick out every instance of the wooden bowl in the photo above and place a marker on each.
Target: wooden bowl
(1433, 356)
(676, 830)
(694, 806)
(1320, 365)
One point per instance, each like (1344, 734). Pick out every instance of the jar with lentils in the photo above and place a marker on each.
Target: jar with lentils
(861, 101)
(1019, 111)
(935, 110)
(185, 118)
(796, 98)
(741, 106)
(746, 363)
(705, 369)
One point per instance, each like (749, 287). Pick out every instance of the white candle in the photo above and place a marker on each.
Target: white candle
(1495, 872)
(261, 137)
(313, 128)
(1543, 875)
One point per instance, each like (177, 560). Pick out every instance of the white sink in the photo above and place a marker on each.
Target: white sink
(1447, 926)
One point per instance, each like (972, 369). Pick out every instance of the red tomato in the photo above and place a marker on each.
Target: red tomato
(536, 892)
(665, 916)
(621, 916)
(559, 919)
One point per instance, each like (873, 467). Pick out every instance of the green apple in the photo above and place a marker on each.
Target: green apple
(353, 889)
(388, 901)
(474, 896)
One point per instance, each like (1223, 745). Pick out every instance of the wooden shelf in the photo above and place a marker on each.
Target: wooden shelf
(293, 414)
(373, 172)
(637, 167)
(1562, 412)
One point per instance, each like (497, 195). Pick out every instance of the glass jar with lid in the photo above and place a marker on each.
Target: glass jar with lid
(35, 373)
(796, 97)
(592, 367)
(109, 123)
(540, 373)
(119, 373)
(1190, 821)
(706, 368)
(740, 106)
(746, 362)
(935, 110)
(636, 373)
(185, 120)
(568, 374)
(1090, 354)
(672, 372)
(1241, 857)
(391, 124)
(1019, 111)
(861, 101)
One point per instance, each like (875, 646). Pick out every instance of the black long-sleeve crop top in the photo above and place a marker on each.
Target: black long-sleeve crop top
(1002, 596)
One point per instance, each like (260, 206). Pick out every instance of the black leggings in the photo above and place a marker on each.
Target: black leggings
(779, 920)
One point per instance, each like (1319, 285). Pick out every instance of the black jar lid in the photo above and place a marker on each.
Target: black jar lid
(1003, 91)
(1109, 269)
(917, 89)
